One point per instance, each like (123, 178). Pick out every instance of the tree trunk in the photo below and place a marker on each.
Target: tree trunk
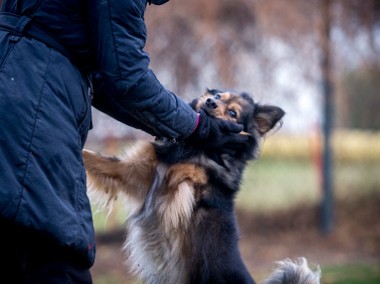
(328, 111)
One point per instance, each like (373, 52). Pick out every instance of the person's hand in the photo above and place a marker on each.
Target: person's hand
(217, 135)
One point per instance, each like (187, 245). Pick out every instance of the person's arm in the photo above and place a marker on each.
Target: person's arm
(124, 86)
(126, 89)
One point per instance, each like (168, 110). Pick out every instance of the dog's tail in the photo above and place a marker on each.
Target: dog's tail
(294, 272)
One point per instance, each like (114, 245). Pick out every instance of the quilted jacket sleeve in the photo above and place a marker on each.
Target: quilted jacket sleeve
(124, 86)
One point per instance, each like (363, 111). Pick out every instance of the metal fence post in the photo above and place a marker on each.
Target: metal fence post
(328, 111)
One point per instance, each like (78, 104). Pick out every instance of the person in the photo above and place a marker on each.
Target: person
(55, 55)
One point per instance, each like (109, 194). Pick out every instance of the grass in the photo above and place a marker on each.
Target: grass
(285, 176)
(352, 274)
(287, 173)
(360, 273)
(276, 184)
(271, 184)
(344, 274)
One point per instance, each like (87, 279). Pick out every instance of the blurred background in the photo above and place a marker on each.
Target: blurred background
(315, 191)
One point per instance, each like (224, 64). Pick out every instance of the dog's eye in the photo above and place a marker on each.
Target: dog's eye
(232, 113)
(217, 96)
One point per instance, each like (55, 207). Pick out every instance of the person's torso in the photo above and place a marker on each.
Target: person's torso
(65, 20)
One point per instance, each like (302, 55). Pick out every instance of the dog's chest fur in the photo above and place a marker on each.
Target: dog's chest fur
(164, 233)
(182, 228)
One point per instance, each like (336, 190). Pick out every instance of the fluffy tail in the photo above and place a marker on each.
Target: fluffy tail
(294, 272)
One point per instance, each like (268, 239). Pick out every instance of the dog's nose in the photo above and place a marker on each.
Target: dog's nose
(211, 103)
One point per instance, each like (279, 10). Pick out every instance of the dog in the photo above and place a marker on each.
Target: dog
(181, 227)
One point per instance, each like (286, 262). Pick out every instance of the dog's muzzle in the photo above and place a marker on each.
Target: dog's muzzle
(211, 103)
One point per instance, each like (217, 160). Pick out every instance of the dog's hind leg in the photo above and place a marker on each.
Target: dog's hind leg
(131, 175)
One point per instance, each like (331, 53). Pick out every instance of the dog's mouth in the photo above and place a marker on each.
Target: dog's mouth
(211, 107)
(206, 110)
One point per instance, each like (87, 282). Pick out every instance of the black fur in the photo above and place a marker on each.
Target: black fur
(184, 229)
(215, 257)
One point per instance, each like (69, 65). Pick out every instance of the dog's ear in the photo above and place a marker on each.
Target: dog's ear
(266, 117)
(213, 91)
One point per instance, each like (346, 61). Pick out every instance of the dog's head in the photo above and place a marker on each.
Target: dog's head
(240, 108)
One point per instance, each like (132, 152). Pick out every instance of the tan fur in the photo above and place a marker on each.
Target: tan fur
(133, 174)
(177, 210)
(178, 198)
(169, 216)
(227, 102)
(185, 172)
(235, 107)
(225, 96)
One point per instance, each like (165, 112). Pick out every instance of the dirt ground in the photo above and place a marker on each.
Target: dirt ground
(289, 234)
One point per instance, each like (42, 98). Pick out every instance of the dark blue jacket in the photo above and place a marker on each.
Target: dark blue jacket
(47, 50)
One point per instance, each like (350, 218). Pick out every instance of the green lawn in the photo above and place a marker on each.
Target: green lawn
(276, 184)
(352, 274)
(347, 274)
(272, 184)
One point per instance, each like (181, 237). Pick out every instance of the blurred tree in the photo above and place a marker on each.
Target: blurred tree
(225, 42)
(245, 44)
(360, 21)
(200, 39)
(361, 88)
(328, 111)
(357, 80)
